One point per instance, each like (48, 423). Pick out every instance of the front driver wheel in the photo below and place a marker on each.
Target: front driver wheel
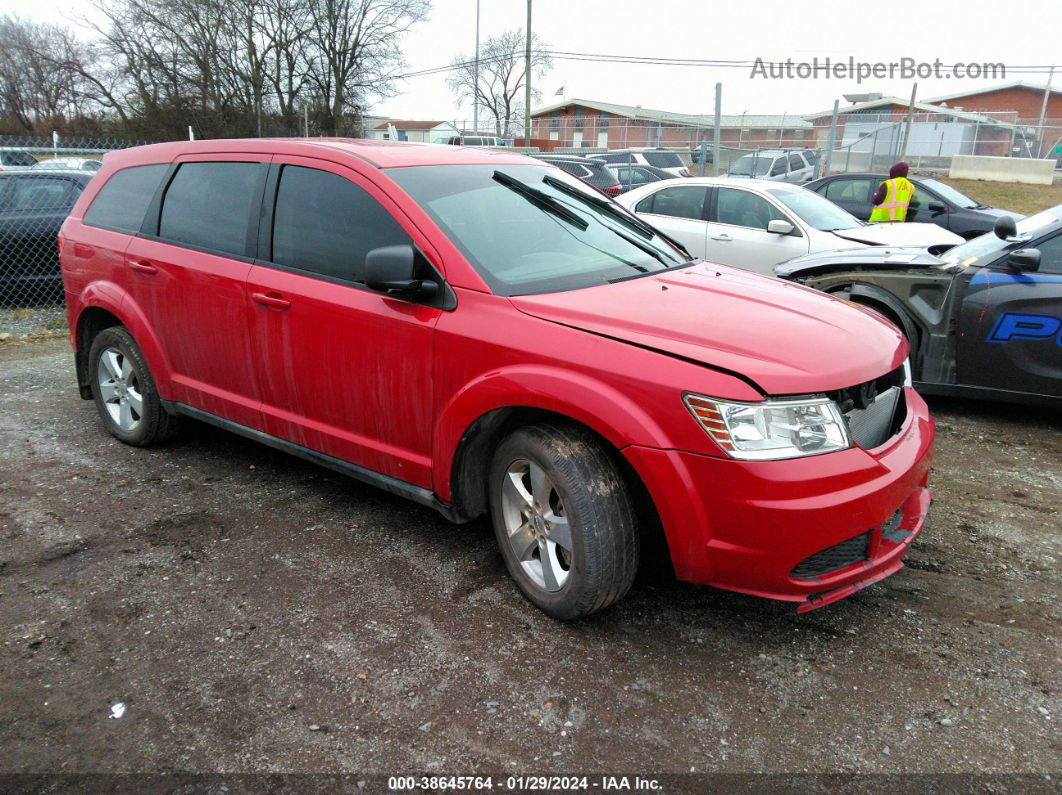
(563, 519)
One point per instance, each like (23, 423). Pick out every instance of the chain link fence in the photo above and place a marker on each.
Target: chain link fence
(40, 179)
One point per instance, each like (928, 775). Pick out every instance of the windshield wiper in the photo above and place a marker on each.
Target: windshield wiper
(630, 221)
(542, 200)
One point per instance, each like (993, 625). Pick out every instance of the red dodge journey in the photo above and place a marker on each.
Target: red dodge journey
(484, 334)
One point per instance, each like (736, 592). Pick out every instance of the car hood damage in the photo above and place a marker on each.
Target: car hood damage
(784, 338)
(905, 234)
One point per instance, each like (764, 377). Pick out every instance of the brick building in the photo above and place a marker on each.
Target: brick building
(587, 123)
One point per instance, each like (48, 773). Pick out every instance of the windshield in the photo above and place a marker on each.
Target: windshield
(950, 194)
(988, 245)
(524, 235)
(743, 166)
(815, 211)
(663, 159)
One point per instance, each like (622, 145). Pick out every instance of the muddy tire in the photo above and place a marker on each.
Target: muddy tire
(124, 391)
(563, 519)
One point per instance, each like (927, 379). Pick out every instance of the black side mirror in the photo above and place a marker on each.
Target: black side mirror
(1024, 259)
(937, 207)
(1005, 227)
(391, 270)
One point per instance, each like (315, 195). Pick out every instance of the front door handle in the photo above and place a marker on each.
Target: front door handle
(272, 300)
(724, 237)
(143, 266)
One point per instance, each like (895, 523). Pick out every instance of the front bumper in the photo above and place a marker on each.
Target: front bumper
(745, 526)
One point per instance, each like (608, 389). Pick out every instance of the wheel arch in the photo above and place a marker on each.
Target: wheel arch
(101, 306)
(886, 304)
(470, 467)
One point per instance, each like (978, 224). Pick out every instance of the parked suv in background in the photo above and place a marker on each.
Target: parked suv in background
(935, 202)
(483, 333)
(780, 165)
(658, 158)
(592, 172)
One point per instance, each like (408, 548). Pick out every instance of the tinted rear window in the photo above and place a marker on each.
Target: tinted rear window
(663, 159)
(208, 205)
(29, 194)
(326, 224)
(122, 202)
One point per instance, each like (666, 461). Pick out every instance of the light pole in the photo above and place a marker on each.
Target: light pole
(475, 80)
(527, 80)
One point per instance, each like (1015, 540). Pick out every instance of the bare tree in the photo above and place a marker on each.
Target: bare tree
(355, 51)
(502, 76)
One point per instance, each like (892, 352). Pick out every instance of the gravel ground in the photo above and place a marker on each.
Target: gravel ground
(21, 322)
(255, 613)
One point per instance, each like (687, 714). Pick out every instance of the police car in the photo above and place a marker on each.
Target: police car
(984, 319)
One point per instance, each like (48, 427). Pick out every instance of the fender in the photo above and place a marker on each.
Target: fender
(909, 327)
(596, 405)
(112, 298)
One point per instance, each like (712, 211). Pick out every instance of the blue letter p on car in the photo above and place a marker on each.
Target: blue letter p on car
(1014, 326)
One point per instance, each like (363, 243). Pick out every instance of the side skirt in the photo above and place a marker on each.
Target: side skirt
(988, 393)
(417, 494)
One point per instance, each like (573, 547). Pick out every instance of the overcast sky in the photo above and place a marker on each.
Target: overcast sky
(1024, 32)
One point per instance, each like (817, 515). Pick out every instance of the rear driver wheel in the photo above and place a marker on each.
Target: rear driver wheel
(124, 391)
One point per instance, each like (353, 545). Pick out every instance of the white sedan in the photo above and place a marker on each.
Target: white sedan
(754, 224)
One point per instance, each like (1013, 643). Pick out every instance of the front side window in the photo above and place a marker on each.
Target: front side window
(523, 234)
(742, 208)
(208, 205)
(326, 224)
(848, 190)
(982, 249)
(123, 201)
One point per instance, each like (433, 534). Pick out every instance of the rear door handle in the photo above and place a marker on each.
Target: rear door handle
(143, 266)
(273, 301)
(724, 236)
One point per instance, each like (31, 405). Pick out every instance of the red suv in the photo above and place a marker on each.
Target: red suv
(482, 333)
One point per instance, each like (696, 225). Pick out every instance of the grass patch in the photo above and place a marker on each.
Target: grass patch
(1025, 199)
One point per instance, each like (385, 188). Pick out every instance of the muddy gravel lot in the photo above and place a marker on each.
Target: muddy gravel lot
(255, 613)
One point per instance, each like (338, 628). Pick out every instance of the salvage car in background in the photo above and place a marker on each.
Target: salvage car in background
(935, 202)
(592, 172)
(485, 334)
(754, 225)
(33, 206)
(984, 320)
(658, 157)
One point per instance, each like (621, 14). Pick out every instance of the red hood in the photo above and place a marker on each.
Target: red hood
(786, 338)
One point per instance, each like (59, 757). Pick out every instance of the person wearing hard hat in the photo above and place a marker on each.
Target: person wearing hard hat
(893, 196)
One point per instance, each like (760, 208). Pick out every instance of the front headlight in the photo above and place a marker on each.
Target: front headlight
(773, 429)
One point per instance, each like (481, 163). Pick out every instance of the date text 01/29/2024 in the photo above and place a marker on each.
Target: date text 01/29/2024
(516, 783)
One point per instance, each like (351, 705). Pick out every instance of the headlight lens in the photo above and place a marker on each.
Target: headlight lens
(773, 429)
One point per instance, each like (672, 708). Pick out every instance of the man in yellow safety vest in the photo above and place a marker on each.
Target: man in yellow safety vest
(893, 197)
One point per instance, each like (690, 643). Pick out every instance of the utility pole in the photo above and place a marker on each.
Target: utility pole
(475, 80)
(527, 80)
(1043, 109)
(716, 148)
(910, 121)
